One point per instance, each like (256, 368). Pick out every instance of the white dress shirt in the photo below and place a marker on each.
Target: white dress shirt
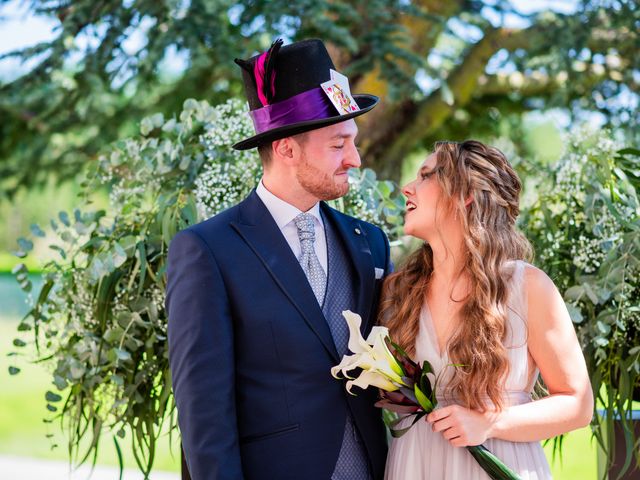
(283, 213)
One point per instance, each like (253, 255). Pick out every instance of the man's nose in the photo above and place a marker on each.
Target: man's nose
(352, 159)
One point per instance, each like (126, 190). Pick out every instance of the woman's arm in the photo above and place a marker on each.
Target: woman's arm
(555, 349)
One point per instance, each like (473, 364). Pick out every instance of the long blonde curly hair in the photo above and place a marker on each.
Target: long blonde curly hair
(466, 170)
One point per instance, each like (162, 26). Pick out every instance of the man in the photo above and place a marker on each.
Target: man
(255, 295)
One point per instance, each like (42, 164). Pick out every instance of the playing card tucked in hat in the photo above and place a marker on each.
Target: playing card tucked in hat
(293, 89)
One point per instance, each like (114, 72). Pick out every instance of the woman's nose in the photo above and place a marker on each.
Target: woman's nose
(407, 189)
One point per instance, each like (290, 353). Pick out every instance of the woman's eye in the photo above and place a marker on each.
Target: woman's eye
(424, 174)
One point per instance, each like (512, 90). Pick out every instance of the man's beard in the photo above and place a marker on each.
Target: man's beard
(320, 184)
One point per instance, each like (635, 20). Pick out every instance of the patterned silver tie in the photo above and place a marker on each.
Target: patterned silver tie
(308, 258)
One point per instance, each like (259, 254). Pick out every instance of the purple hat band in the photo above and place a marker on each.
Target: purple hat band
(310, 105)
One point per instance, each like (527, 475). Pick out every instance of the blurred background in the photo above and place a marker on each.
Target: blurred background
(77, 76)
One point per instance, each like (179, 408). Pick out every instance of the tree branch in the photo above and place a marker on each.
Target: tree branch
(388, 144)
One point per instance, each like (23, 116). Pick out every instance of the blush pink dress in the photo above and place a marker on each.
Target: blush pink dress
(424, 454)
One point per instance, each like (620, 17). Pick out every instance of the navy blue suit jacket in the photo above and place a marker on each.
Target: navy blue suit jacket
(250, 350)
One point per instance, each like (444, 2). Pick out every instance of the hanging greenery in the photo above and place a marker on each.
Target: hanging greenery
(585, 227)
(99, 320)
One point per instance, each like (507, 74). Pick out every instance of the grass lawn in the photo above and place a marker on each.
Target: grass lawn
(579, 457)
(22, 431)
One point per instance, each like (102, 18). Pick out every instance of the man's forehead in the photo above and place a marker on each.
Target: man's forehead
(338, 131)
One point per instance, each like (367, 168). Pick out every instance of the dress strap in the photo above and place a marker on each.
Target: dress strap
(517, 292)
(517, 305)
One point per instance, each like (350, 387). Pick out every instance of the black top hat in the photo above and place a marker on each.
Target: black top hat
(284, 93)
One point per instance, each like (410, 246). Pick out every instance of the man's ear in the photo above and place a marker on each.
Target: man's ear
(283, 149)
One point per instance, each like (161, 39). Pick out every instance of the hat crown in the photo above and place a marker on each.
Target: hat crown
(299, 67)
(291, 99)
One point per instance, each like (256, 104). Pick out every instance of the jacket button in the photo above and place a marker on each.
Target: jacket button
(358, 232)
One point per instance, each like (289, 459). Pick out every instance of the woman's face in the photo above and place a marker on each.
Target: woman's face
(425, 206)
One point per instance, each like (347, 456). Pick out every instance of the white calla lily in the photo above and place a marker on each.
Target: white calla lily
(371, 377)
(377, 332)
(357, 344)
(378, 339)
(383, 367)
(351, 362)
(371, 355)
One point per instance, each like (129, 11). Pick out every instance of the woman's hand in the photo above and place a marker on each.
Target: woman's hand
(460, 426)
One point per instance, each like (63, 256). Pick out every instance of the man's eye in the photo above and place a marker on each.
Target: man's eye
(338, 146)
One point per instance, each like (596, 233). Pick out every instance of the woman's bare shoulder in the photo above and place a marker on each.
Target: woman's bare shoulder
(537, 282)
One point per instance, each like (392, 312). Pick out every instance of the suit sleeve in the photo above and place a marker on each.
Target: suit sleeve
(201, 358)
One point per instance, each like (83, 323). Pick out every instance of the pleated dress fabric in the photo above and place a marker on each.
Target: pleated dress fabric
(424, 454)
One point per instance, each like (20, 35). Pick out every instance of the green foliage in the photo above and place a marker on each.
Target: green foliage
(584, 228)
(375, 201)
(23, 405)
(107, 68)
(99, 321)
(99, 318)
(90, 87)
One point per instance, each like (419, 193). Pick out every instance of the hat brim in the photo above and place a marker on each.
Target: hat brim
(365, 102)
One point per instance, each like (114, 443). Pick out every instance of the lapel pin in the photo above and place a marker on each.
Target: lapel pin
(357, 230)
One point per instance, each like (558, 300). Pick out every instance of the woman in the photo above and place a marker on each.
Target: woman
(468, 297)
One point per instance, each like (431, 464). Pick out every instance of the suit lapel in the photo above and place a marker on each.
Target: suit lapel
(258, 229)
(355, 241)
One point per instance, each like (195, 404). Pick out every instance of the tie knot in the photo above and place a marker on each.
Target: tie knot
(306, 229)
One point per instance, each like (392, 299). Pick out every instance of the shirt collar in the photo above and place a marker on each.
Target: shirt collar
(282, 212)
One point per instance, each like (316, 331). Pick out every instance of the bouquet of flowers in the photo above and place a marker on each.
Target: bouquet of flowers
(405, 386)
